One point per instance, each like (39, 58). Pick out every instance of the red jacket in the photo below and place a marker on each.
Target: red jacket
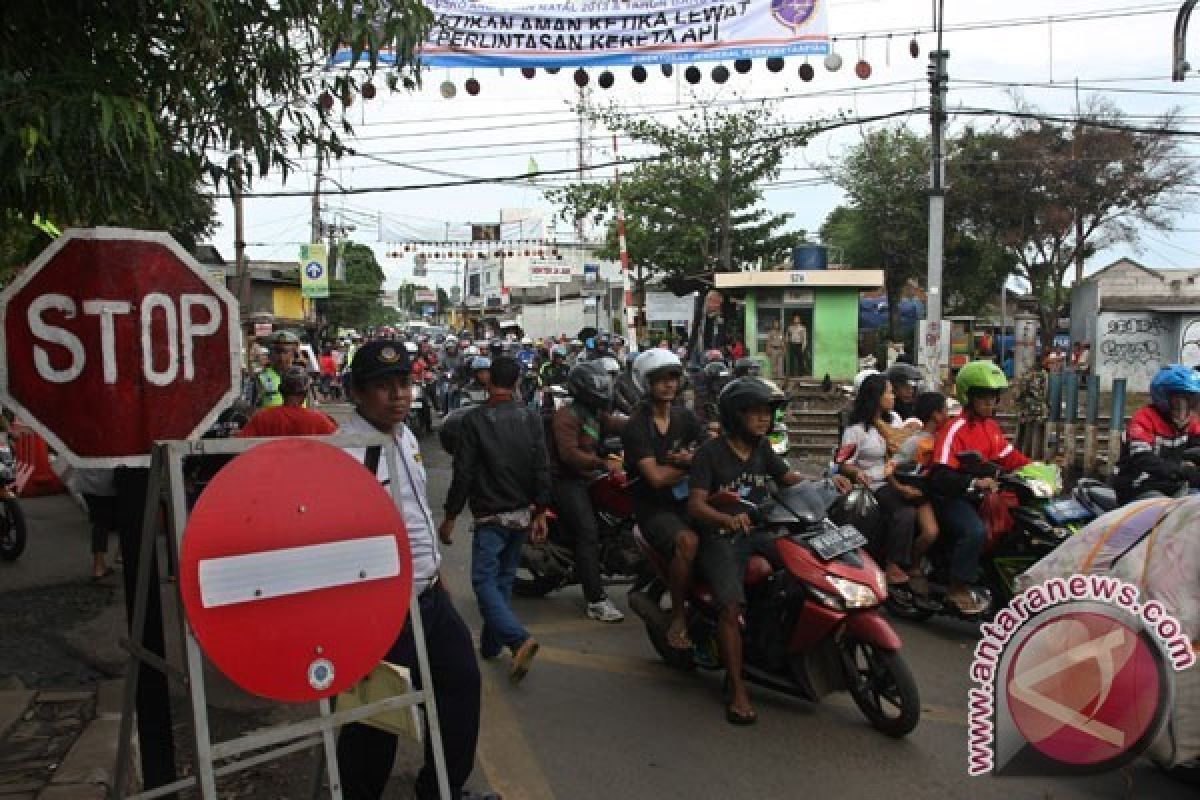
(971, 432)
(1152, 455)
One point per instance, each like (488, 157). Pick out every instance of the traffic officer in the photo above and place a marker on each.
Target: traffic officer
(381, 389)
(267, 385)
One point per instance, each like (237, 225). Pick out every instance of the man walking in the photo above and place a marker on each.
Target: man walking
(381, 388)
(500, 464)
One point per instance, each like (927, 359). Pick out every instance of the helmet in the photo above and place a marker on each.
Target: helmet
(480, 362)
(589, 384)
(746, 367)
(450, 341)
(743, 394)
(526, 340)
(862, 376)
(904, 373)
(653, 364)
(1172, 379)
(451, 429)
(472, 350)
(285, 337)
(411, 347)
(559, 350)
(979, 376)
(712, 356)
(610, 366)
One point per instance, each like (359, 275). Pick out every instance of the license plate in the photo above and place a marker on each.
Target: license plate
(831, 544)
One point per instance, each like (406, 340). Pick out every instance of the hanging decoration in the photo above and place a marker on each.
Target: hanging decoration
(368, 90)
(833, 61)
(692, 74)
(806, 71)
(581, 77)
(326, 100)
(914, 47)
(862, 68)
(743, 65)
(472, 86)
(720, 73)
(775, 64)
(528, 72)
(667, 70)
(448, 89)
(606, 80)
(638, 73)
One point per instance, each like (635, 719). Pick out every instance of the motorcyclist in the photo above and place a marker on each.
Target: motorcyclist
(555, 371)
(979, 386)
(906, 382)
(526, 354)
(578, 430)
(266, 389)
(659, 441)
(710, 381)
(1152, 447)
(740, 461)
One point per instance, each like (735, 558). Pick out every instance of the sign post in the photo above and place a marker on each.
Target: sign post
(111, 340)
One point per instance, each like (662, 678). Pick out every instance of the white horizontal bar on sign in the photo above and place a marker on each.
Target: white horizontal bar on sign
(294, 570)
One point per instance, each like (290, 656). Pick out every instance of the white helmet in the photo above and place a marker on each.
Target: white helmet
(411, 347)
(526, 340)
(653, 361)
(862, 376)
(471, 351)
(610, 366)
(450, 339)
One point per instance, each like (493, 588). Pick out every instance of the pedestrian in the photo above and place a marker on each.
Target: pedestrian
(281, 355)
(381, 390)
(99, 494)
(1031, 405)
(291, 418)
(502, 470)
(776, 350)
(798, 346)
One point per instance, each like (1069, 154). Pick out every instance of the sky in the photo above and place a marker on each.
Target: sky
(1040, 50)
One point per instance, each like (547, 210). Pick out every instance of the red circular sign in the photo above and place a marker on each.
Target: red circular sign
(295, 572)
(122, 326)
(1084, 688)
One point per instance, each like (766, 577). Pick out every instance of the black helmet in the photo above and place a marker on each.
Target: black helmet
(743, 394)
(589, 384)
(746, 367)
(904, 373)
(451, 429)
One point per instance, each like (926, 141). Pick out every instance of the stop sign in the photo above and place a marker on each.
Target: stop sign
(295, 588)
(112, 339)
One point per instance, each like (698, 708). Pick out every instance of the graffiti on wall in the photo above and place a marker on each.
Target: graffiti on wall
(1133, 346)
(1189, 342)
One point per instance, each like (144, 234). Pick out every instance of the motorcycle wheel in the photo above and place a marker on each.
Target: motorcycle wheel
(882, 687)
(12, 530)
(529, 582)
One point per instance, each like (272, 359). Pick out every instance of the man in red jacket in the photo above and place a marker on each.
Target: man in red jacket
(979, 385)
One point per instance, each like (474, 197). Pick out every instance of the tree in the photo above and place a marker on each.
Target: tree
(1050, 194)
(354, 302)
(697, 209)
(115, 111)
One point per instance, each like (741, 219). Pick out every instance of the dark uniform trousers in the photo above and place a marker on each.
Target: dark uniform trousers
(365, 754)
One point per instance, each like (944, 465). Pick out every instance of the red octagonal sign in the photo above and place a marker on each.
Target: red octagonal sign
(114, 339)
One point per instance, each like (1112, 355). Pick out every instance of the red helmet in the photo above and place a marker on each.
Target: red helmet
(712, 356)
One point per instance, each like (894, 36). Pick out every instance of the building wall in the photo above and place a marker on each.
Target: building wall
(1189, 340)
(834, 334)
(287, 302)
(1084, 305)
(1133, 345)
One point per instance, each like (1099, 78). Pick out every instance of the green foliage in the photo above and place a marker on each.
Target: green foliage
(698, 209)
(354, 302)
(114, 112)
(1049, 195)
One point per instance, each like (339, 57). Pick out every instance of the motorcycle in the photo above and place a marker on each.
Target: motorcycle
(467, 396)
(812, 624)
(551, 565)
(1025, 520)
(421, 411)
(12, 518)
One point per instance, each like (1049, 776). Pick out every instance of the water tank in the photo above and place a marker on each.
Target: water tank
(810, 256)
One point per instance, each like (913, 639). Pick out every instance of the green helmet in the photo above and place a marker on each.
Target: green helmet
(978, 376)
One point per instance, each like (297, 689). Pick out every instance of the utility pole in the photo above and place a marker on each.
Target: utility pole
(937, 198)
(315, 234)
(244, 292)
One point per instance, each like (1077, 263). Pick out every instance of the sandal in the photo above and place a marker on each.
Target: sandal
(735, 717)
(971, 606)
(678, 637)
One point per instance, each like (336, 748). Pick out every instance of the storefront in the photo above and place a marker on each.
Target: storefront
(824, 302)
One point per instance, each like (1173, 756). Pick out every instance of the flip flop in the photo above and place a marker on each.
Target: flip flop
(976, 607)
(738, 718)
(679, 639)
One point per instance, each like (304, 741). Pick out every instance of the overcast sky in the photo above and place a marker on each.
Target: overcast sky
(1125, 57)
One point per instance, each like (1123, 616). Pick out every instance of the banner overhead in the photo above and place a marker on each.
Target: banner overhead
(495, 33)
(314, 271)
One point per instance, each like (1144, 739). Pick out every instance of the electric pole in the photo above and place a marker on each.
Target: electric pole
(937, 200)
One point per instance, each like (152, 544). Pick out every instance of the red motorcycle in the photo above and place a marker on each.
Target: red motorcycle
(551, 565)
(812, 623)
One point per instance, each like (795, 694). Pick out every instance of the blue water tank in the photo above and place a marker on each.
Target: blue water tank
(810, 256)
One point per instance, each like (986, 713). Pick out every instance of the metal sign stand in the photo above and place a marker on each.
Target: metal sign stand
(166, 475)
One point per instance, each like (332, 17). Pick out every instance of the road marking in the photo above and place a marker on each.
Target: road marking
(507, 760)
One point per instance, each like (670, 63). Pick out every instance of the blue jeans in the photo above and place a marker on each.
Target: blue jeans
(495, 554)
(959, 518)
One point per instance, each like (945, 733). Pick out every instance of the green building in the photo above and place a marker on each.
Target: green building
(826, 302)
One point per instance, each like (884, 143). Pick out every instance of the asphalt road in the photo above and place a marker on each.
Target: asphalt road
(599, 716)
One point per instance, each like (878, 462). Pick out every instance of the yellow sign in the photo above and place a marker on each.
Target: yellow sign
(314, 270)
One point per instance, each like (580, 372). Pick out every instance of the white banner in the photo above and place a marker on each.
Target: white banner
(513, 33)
(666, 307)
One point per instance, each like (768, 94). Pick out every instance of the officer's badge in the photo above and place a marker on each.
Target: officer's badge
(388, 355)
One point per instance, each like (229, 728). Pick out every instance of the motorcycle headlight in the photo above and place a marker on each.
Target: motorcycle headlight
(853, 593)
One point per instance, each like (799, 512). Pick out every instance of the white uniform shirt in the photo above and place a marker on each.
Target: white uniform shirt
(414, 505)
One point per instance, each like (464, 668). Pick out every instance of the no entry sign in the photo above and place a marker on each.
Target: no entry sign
(295, 587)
(112, 339)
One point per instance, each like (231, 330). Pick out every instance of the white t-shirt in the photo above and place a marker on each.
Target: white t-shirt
(414, 502)
(870, 454)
